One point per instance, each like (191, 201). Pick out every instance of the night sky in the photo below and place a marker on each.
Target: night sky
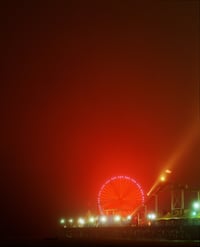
(90, 91)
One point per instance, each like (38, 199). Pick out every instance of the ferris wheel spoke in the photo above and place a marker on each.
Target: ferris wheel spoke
(110, 200)
(109, 205)
(115, 189)
(121, 194)
(130, 203)
(127, 192)
(111, 192)
(133, 194)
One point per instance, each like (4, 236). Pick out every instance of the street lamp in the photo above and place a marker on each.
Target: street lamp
(196, 205)
(62, 221)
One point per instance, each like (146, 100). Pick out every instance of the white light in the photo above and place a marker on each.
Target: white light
(162, 178)
(91, 219)
(81, 221)
(70, 220)
(117, 218)
(62, 221)
(103, 219)
(194, 213)
(129, 217)
(151, 216)
(196, 205)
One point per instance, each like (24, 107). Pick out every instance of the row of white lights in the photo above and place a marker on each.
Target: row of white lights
(102, 219)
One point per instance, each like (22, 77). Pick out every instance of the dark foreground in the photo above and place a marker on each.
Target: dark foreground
(99, 242)
(178, 235)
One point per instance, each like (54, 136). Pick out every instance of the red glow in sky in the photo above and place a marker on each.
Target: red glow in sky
(91, 91)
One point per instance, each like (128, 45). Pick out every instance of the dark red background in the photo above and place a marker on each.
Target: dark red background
(89, 91)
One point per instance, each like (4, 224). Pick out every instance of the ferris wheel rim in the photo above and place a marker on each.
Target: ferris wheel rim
(122, 177)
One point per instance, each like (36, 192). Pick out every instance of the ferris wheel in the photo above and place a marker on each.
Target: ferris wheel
(120, 195)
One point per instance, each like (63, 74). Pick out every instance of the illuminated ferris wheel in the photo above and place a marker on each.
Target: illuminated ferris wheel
(120, 195)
